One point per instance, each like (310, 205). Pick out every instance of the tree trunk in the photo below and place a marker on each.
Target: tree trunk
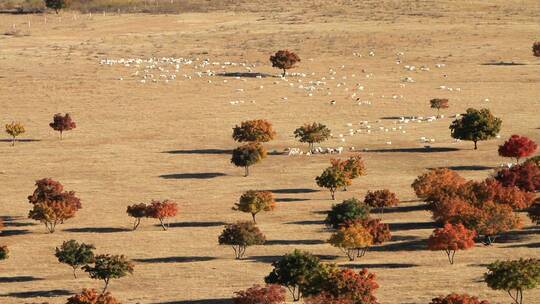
(284, 71)
(74, 272)
(13, 141)
(333, 194)
(253, 216)
(351, 254)
(136, 223)
(106, 285)
(450, 254)
(246, 173)
(60, 135)
(162, 224)
(475, 145)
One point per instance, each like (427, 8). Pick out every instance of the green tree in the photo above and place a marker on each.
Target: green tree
(248, 155)
(348, 211)
(513, 276)
(332, 178)
(75, 255)
(294, 271)
(4, 253)
(476, 125)
(240, 236)
(312, 133)
(107, 267)
(57, 5)
(255, 201)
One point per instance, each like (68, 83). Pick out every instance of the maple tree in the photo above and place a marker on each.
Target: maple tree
(353, 240)
(162, 210)
(455, 298)
(254, 202)
(451, 238)
(285, 60)
(75, 255)
(517, 147)
(91, 296)
(240, 236)
(269, 294)
(439, 103)
(381, 199)
(346, 212)
(137, 211)
(525, 176)
(258, 130)
(332, 178)
(62, 123)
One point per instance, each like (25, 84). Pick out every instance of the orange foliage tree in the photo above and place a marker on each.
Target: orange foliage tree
(51, 204)
(381, 199)
(353, 240)
(162, 210)
(285, 60)
(352, 168)
(269, 294)
(258, 130)
(91, 296)
(345, 286)
(255, 201)
(517, 147)
(525, 176)
(439, 103)
(450, 239)
(62, 123)
(431, 181)
(455, 298)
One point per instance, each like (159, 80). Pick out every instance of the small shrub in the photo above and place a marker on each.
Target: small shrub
(14, 129)
(513, 276)
(254, 202)
(75, 255)
(450, 239)
(285, 60)
(107, 267)
(269, 294)
(62, 123)
(240, 236)
(91, 296)
(455, 298)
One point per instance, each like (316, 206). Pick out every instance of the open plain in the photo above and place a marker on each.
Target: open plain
(142, 137)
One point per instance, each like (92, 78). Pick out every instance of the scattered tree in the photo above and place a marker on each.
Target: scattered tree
(450, 239)
(476, 125)
(517, 147)
(162, 210)
(536, 49)
(349, 210)
(248, 155)
(285, 60)
(52, 205)
(455, 298)
(312, 133)
(513, 276)
(380, 232)
(491, 220)
(332, 178)
(439, 103)
(352, 167)
(91, 296)
(353, 240)
(57, 5)
(137, 211)
(107, 267)
(14, 129)
(426, 184)
(525, 176)
(62, 123)
(269, 294)
(381, 199)
(75, 255)
(240, 236)
(258, 130)
(295, 271)
(255, 201)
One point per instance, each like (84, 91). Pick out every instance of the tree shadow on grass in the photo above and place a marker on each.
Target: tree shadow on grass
(20, 140)
(517, 235)
(415, 150)
(40, 293)
(97, 230)
(206, 301)
(179, 259)
(527, 245)
(293, 191)
(412, 226)
(205, 175)
(465, 168)
(400, 238)
(13, 232)
(307, 222)
(290, 199)
(200, 151)
(269, 259)
(413, 245)
(195, 224)
(12, 221)
(400, 209)
(245, 74)
(19, 279)
(503, 63)
(381, 265)
(294, 242)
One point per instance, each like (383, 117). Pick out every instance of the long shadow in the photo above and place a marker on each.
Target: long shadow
(402, 246)
(22, 140)
(13, 232)
(399, 238)
(245, 74)
(40, 293)
(294, 242)
(503, 63)
(196, 224)
(206, 175)
(401, 209)
(12, 221)
(466, 168)
(179, 259)
(307, 222)
(97, 230)
(272, 258)
(528, 245)
(206, 301)
(293, 191)
(200, 151)
(412, 226)
(381, 265)
(395, 117)
(290, 199)
(415, 150)
(19, 279)
(517, 235)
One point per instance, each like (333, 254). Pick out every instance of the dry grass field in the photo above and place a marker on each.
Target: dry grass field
(139, 141)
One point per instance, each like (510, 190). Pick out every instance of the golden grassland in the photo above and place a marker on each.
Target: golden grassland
(135, 142)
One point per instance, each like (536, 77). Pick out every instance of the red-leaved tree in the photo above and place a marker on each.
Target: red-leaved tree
(525, 176)
(455, 298)
(162, 210)
(517, 147)
(51, 204)
(450, 239)
(434, 180)
(346, 286)
(62, 123)
(381, 199)
(536, 49)
(91, 296)
(269, 294)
